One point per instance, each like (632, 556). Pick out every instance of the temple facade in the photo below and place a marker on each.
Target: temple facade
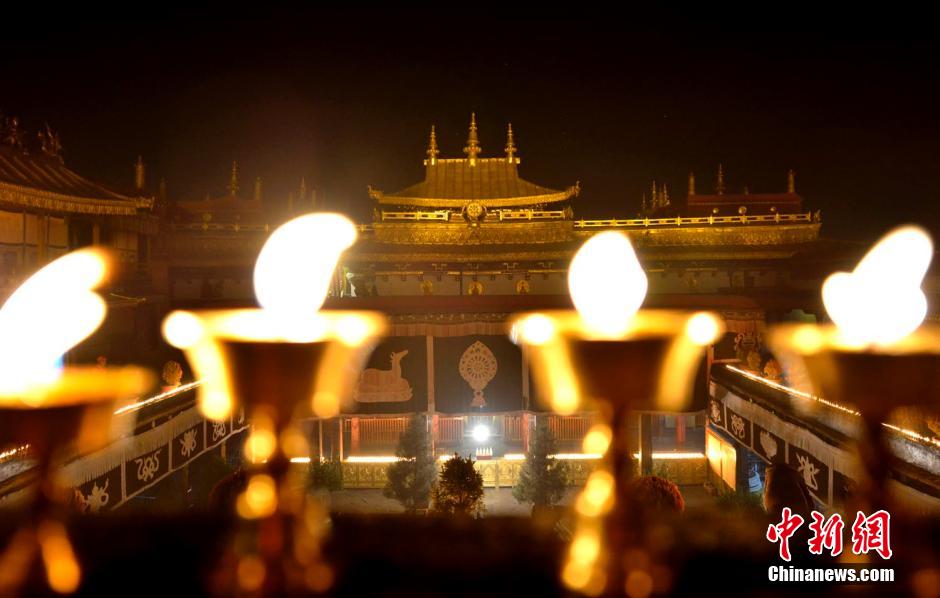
(451, 257)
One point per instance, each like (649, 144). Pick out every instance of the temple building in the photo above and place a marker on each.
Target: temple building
(47, 210)
(451, 257)
(208, 246)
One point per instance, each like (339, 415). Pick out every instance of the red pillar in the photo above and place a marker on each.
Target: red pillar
(680, 430)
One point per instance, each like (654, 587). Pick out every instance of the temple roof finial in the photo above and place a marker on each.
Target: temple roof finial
(791, 181)
(259, 188)
(432, 148)
(140, 174)
(233, 182)
(720, 182)
(691, 183)
(473, 143)
(303, 189)
(510, 146)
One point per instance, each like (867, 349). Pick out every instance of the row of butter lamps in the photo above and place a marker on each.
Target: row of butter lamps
(289, 358)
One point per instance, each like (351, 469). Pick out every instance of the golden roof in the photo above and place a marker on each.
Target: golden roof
(453, 183)
(43, 182)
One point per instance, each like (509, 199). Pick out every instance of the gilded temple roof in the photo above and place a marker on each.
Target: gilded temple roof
(456, 182)
(44, 182)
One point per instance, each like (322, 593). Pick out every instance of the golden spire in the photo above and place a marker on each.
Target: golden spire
(791, 181)
(664, 198)
(654, 197)
(643, 206)
(432, 148)
(720, 182)
(258, 188)
(233, 183)
(691, 183)
(303, 189)
(473, 144)
(139, 174)
(510, 146)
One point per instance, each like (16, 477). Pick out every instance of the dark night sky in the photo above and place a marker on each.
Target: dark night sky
(348, 102)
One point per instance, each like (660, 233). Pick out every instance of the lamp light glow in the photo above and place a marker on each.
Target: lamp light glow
(607, 284)
(481, 433)
(881, 301)
(293, 271)
(54, 310)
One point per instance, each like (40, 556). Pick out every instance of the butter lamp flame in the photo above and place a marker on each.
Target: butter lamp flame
(607, 284)
(54, 310)
(294, 268)
(881, 301)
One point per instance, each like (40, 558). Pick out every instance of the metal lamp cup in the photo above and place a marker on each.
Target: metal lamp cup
(277, 369)
(876, 379)
(72, 413)
(650, 367)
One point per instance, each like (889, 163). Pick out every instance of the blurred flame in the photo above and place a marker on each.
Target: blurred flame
(259, 499)
(62, 570)
(54, 310)
(597, 497)
(536, 329)
(597, 439)
(607, 283)
(296, 264)
(881, 301)
(703, 328)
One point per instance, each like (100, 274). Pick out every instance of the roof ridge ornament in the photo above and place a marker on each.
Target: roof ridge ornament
(720, 181)
(511, 147)
(13, 136)
(140, 172)
(432, 149)
(233, 182)
(791, 181)
(473, 143)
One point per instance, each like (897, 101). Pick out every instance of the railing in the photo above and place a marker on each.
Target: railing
(381, 432)
(569, 428)
(676, 221)
(512, 427)
(679, 221)
(443, 215)
(230, 227)
(451, 429)
(491, 215)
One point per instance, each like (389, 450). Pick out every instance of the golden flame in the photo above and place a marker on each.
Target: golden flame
(607, 284)
(54, 310)
(296, 264)
(881, 301)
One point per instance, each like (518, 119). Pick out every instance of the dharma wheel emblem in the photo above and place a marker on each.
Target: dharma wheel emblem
(477, 366)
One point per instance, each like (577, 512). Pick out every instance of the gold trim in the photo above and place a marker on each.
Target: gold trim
(57, 202)
(496, 202)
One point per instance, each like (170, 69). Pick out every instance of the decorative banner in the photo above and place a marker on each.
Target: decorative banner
(769, 446)
(216, 431)
(395, 379)
(100, 494)
(738, 427)
(477, 373)
(107, 479)
(186, 445)
(238, 421)
(815, 473)
(716, 412)
(147, 468)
